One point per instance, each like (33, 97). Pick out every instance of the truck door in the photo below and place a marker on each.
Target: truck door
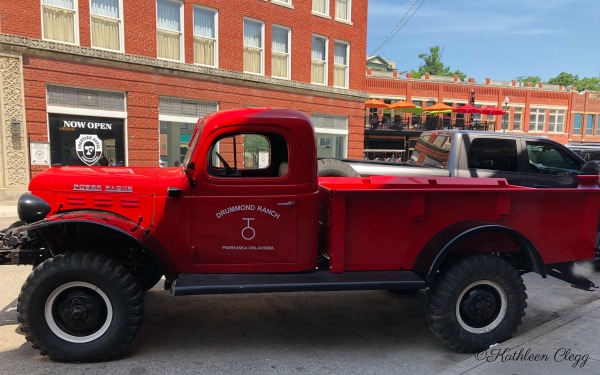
(245, 212)
(551, 165)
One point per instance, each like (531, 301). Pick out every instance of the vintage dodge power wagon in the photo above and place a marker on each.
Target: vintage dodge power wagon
(245, 212)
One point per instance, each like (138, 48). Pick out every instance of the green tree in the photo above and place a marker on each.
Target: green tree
(592, 84)
(524, 79)
(253, 145)
(433, 65)
(564, 79)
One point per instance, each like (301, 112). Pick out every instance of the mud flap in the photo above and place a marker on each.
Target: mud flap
(564, 272)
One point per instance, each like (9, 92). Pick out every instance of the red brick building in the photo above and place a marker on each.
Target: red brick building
(558, 112)
(133, 77)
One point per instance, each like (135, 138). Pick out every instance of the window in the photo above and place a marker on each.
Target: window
(343, 10)
(431, 150)
(495, 154)
(286, 2)
(59, 20)
(253, 46)
(320, 7)
(548, 159)
(517, 118)
(249, 156)
(107, 25)
(577, 120)
(86, 127)
(537, 119)
(280, 55)
(319, 60)
(589, 124)
(340, 64)
(177, 118)
(205, 36)
(169, 29)
(331, 132)
(556, 121)
(476, 117)
(598, 125)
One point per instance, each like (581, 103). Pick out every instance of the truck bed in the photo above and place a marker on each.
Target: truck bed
(383, 223)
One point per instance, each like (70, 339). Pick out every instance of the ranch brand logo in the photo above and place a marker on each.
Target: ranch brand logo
(89, 148)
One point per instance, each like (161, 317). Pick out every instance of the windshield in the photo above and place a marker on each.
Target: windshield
(193, 142)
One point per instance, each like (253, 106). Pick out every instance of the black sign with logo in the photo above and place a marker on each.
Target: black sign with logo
(78, 140)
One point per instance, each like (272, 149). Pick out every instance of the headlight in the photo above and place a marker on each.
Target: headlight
(32, 208)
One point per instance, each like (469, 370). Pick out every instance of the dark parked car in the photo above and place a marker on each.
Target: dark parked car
(587, 153)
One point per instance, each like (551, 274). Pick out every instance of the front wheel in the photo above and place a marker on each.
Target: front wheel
(476, 302)
(80, 306)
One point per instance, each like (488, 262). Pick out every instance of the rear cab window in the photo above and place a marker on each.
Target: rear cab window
(432, 150)
(493, 154)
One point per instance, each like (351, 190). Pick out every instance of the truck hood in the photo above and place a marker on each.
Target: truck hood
(138, 180)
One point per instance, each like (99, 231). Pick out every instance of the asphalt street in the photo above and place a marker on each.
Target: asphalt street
(367, 332)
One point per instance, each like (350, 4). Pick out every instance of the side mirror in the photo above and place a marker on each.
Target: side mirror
(189, 171)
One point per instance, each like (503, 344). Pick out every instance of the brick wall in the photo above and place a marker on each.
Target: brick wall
(139, 20)
(143, 90)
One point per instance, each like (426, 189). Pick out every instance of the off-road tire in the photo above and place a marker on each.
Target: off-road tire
(80, 306)
(476, 301)
(335, 168)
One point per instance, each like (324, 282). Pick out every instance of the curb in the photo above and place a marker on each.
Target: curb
(515, 342)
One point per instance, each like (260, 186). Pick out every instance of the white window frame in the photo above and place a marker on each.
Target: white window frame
(317, 13)
(349, 15)
(518, 111)
(539, 113)
(556, 126)
(216, 31)
(325, 62)
(333, 131)
(75, 22)
(121, 32)
(261, 48)
(285, 3)
(288, 54)
(181, 31)
(346, 67)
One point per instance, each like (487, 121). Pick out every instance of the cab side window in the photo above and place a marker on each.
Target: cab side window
(546, 158)
(244, 155)
(495, 154)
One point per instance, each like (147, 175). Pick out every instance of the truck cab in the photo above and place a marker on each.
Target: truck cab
(251, 193)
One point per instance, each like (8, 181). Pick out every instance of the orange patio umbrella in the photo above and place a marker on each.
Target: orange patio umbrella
(438, 107)
(374, 103)
(401, 104)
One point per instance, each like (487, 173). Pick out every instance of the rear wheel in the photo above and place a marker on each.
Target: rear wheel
(80, 306)
(477, 301)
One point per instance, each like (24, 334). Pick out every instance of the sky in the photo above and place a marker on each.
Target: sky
(496, 39)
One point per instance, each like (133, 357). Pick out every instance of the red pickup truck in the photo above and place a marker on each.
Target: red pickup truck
(246, 213)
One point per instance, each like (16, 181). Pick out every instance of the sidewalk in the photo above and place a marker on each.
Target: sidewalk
(8, 201)
(565, 345)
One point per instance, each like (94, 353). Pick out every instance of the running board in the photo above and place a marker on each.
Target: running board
(191, 284)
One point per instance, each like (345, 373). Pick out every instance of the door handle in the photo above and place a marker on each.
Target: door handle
(289, 203)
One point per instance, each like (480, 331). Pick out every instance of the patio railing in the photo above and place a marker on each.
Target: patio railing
(417, 124)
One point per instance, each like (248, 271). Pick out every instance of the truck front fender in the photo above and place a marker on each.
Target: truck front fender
(110, 225)
(445, 242)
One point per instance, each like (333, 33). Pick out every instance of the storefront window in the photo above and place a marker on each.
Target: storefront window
(83, 140)
(174, 139)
